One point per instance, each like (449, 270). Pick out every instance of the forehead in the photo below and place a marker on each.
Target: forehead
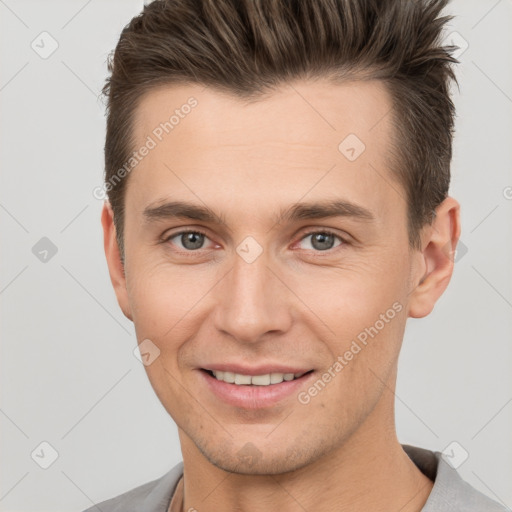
(303, 138)
(301, 112)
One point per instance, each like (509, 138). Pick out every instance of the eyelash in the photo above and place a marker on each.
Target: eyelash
(325, 231)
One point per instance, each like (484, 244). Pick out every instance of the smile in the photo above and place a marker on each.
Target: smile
(266, 379)
(254, 391)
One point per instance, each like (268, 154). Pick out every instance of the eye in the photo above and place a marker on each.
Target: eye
(189, 240)
(193, 240)
(322, 240)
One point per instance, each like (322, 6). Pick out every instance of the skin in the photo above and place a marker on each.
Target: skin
(295, 303)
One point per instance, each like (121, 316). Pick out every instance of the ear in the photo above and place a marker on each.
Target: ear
(439, 241)
(115, 265)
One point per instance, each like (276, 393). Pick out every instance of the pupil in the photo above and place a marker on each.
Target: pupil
(192, 240)
(323, 238)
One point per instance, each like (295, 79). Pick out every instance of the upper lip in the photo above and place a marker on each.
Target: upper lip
(256, 370)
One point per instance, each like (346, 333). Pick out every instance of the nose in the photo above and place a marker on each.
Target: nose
(252, 301)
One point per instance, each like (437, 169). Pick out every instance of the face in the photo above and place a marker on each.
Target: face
(301, 266)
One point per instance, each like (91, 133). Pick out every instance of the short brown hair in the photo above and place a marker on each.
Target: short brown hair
(250, 47)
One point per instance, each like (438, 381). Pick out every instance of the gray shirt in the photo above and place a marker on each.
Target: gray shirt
(449, 494)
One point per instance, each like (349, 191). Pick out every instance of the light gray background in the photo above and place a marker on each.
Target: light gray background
(68, 373)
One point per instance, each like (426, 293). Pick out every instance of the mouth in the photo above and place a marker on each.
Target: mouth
(251, 392)
(267, 379)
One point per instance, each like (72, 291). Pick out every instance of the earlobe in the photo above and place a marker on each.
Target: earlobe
(115, 265)
(437, 258)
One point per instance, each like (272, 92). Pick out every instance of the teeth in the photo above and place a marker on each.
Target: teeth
(228, 377)
(242, 379)
(276, 378)
(255, 380)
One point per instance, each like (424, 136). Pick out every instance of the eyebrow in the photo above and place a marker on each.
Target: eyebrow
(299, 211)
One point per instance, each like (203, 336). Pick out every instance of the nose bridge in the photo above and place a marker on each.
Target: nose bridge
(250, 302)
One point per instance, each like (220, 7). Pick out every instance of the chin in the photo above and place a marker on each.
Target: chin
(249, 460)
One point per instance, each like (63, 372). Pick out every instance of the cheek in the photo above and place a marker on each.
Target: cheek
(353, 295)
(359, 314)
(169, 307)
(160, 295)
(363, 355)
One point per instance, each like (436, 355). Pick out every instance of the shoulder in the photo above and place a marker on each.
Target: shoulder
(152, 496)
(450, 491)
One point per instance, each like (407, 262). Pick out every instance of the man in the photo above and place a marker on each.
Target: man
(277, 174)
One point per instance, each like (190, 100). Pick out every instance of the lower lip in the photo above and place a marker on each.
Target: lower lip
(251, 396)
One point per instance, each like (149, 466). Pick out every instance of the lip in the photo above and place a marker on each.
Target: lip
(256, 370)
(254, 397)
